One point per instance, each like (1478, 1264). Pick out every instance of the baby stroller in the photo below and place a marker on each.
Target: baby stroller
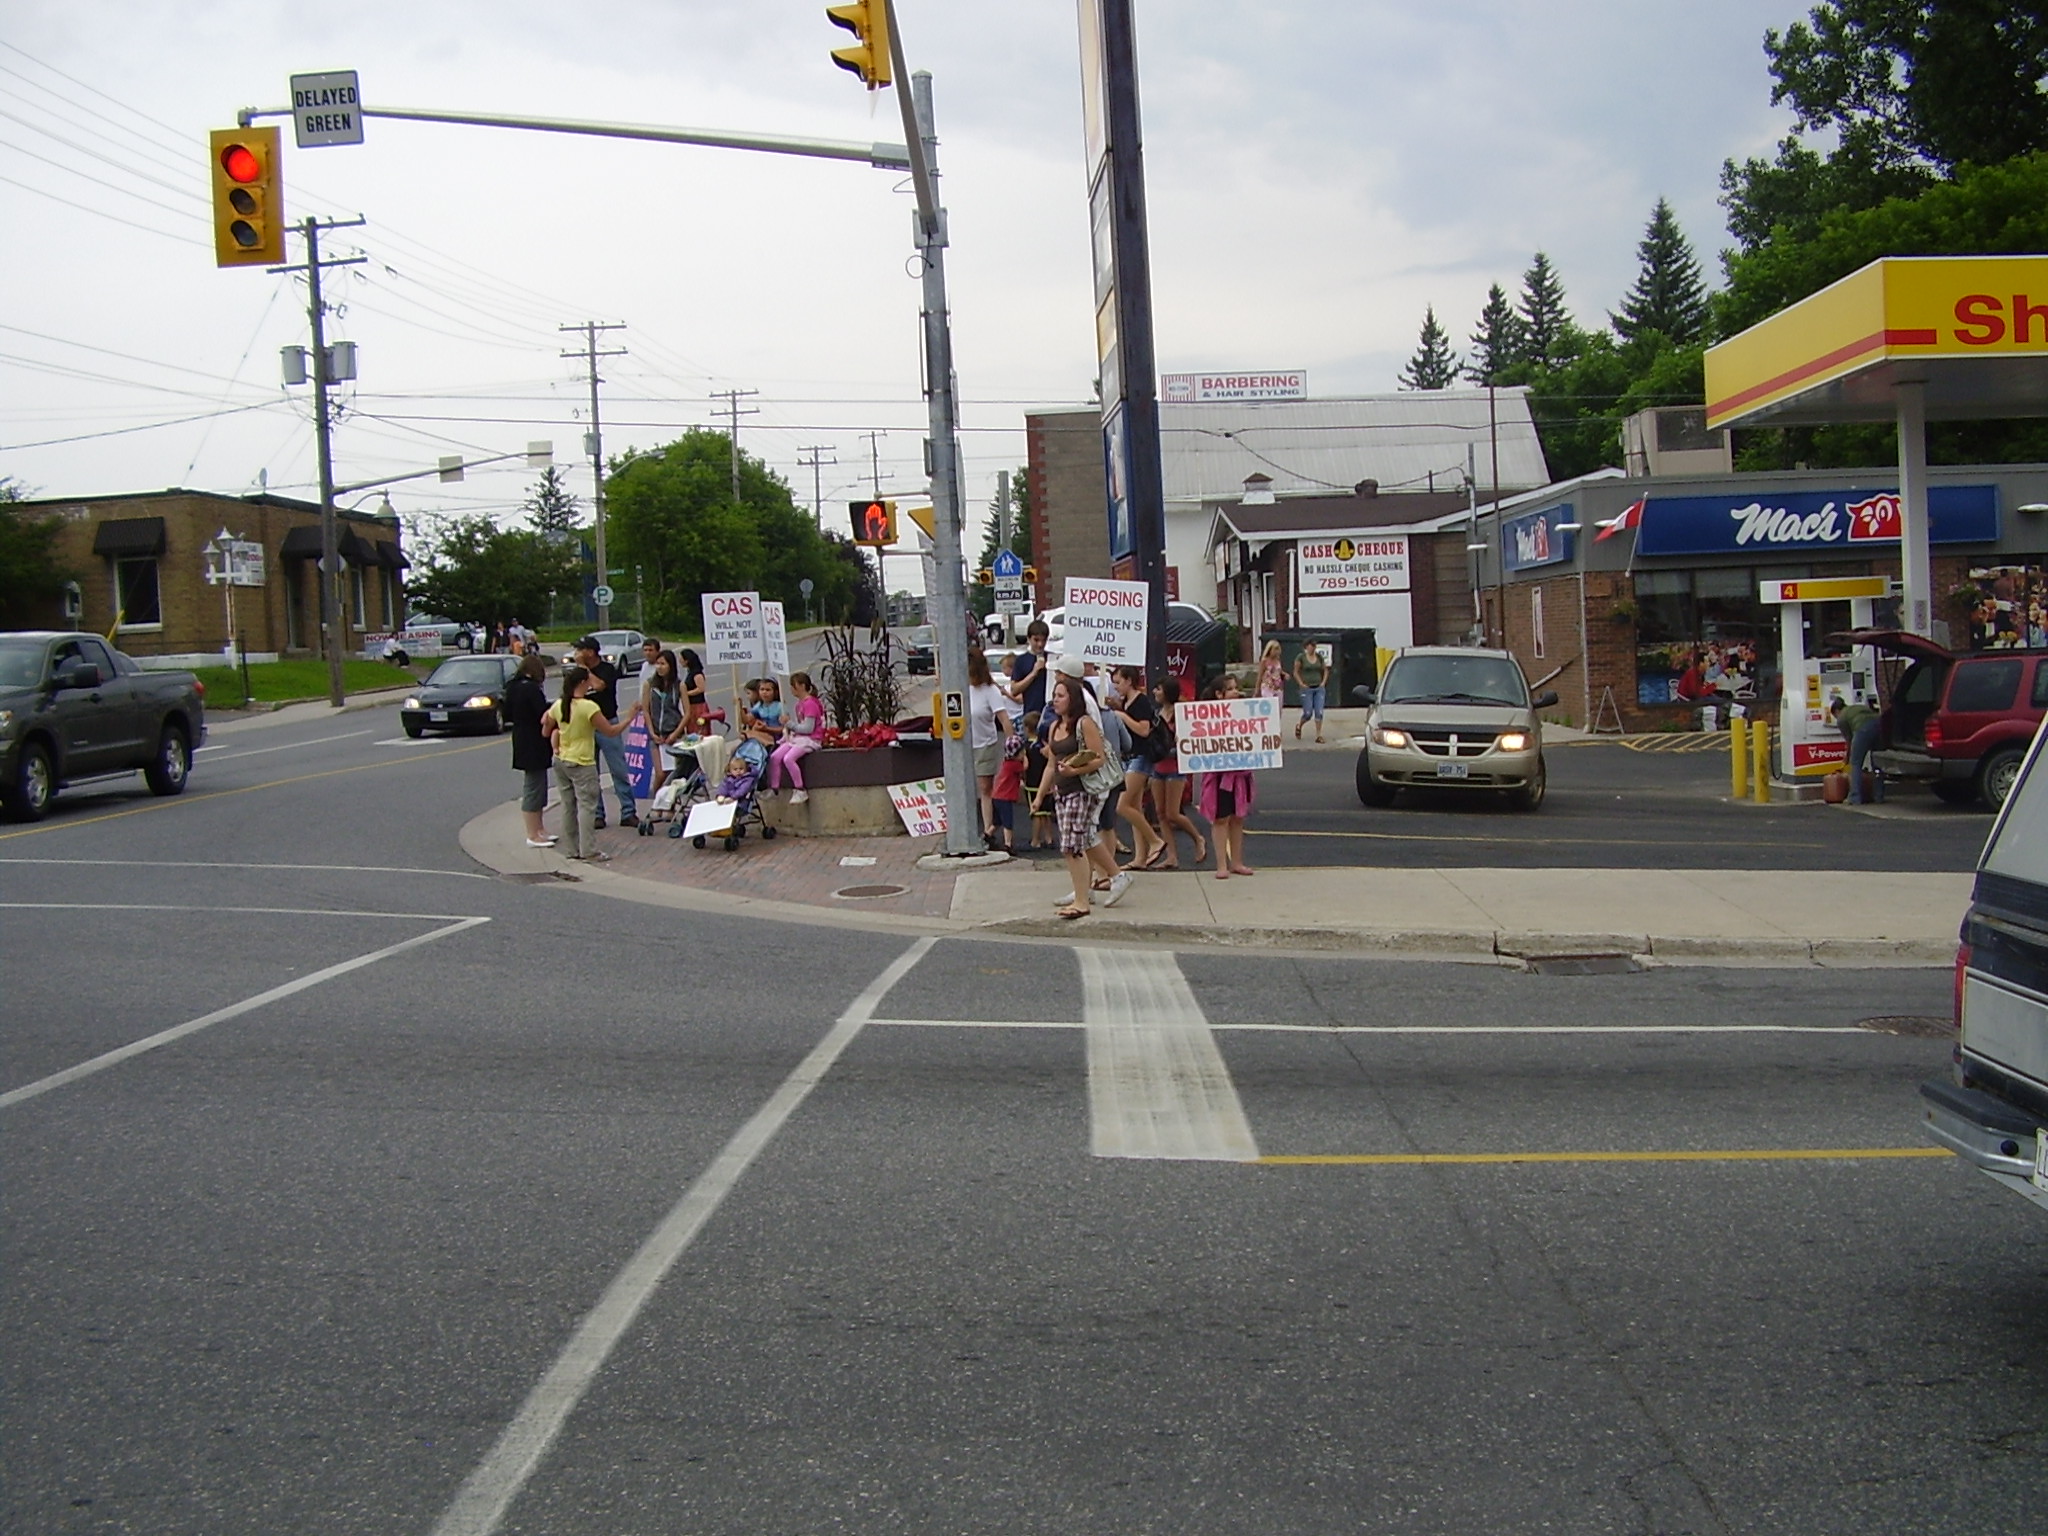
(741, 785)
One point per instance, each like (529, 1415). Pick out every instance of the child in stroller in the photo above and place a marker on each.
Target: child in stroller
(740, 788)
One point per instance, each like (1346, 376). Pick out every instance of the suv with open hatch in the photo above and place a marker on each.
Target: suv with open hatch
(1958, 721)
(1993, 1111)
(1450, 718)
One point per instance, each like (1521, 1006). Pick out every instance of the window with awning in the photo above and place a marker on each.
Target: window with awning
(120, 537)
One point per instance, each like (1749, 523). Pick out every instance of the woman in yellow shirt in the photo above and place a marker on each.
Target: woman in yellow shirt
(571, 728)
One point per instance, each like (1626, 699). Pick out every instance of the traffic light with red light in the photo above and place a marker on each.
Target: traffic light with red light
(248, 197)
(868, 21)
(874, 522)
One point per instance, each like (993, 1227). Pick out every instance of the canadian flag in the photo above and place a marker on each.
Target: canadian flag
(1632, 518)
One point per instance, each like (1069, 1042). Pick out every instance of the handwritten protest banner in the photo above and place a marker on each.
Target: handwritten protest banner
(1228, 735)
(775, 631)
(732, 629)
(922, 806)
(1105, 621)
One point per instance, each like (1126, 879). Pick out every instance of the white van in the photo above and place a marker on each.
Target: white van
(1993, 1113)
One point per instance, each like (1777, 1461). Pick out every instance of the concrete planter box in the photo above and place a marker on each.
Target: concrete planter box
(850, 791)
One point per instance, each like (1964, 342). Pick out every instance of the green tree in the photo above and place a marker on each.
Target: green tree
(479, 573)
(1667, 296)
(1499, 345)
(671, 511)
(1434, 365)
(30, 573)
(1910, 90)
(552, 506)
(1549, 336)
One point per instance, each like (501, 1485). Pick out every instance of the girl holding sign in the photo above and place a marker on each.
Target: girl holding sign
(1227, 800)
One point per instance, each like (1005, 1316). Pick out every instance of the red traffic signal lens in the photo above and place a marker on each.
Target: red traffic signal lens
(241, 163)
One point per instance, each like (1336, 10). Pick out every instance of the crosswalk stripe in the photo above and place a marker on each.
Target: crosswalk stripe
(1157, 1085)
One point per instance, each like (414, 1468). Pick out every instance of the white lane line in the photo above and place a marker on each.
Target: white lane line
(1157, 1085)
(290, 746)
(145, 906)
(488, 1493)
(220, 1016)
(344, 869)
(978, 1023)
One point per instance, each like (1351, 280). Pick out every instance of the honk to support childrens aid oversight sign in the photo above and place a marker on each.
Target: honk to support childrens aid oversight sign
(1228, 735)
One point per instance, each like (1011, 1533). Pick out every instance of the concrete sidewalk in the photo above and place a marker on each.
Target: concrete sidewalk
(1777, 917)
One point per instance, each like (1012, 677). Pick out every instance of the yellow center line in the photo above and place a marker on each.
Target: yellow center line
(1732, 1155)
(168, 802)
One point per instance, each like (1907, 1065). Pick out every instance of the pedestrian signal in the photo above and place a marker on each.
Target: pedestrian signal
(248, 197)
(874, 522)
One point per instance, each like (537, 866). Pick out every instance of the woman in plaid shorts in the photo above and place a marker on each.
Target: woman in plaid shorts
(1079, 811)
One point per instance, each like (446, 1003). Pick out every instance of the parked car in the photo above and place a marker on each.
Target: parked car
(620, 647)
(464, 693)
(72, 707)
(453, 636)
(1960, 722)
(1993, 1111)
(1452, 719)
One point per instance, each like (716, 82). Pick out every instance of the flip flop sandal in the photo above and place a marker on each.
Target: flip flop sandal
(1071, 914)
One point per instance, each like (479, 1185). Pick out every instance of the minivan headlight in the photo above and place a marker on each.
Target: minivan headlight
(1513, 741)
(1387, 736)
(410, 704)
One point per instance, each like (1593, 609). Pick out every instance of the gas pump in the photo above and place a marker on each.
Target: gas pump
(1809, 746)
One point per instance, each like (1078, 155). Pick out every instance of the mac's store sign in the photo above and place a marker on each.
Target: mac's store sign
(1537, 539)
(1809, 520)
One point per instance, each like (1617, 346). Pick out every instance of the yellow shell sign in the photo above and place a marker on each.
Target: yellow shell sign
(1960, 324)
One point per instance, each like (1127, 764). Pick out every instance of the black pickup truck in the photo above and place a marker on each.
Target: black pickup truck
(72, 707)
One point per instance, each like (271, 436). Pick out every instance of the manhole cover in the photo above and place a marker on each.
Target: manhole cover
(868, 892)
(1922, 1025)
(1581, 965)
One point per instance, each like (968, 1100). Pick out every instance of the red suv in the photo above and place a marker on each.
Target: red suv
(1961, 722)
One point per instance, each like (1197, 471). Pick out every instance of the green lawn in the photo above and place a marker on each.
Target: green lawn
(274, 682)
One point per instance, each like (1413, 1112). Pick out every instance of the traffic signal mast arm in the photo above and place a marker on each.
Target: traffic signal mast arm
(892, 157)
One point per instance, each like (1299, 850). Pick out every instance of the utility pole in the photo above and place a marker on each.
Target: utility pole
(734, 411)
(814, 464)
(323, 438)
(875, 462)
(593, 443)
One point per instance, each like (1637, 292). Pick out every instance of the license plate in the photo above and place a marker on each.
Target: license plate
(438, 716)
(2041, 1159)
(1453, 770)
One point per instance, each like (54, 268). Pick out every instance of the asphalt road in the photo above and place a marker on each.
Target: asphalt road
(1607, 806)
(560, 1214)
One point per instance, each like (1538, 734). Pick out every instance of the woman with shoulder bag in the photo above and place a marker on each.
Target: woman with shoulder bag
(1075, 755)
(525, 703)
(1133, 706)
(1169, 784)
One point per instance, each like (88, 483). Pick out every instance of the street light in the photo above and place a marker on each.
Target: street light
(222, 548)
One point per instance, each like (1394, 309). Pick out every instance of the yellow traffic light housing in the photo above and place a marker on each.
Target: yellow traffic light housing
(1030, 575)
(986, 576)
(874, 522)
(868, 21)
(248, 197)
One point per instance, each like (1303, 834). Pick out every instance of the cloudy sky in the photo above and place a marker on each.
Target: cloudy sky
(1318, 171)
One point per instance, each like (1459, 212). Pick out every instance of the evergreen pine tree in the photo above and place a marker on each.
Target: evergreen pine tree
(1499, 343)
(1668, 295)
(552, 505)
(1434, 365)
(1546, 324)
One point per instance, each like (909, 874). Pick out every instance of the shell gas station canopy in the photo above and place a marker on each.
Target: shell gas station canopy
(1907, 339)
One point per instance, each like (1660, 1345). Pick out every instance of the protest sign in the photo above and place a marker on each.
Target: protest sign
(708, 816)
(640, 758)
(1105, 621)
(1228, 735)
(775, 632)
(922, 806)
(732, 629)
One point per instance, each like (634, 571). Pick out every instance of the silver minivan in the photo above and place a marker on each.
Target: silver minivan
(1451, 718)
(1993, 1110)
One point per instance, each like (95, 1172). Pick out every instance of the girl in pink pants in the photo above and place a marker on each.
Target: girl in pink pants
(804, 729)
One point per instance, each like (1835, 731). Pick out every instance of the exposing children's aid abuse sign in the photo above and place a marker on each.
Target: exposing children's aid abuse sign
(1228, 735)
(1105, 621)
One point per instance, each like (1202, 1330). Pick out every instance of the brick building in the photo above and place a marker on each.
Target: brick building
(143, 558)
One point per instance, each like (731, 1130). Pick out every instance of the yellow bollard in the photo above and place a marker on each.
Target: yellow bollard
(1760, 742)
(1738, 755)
